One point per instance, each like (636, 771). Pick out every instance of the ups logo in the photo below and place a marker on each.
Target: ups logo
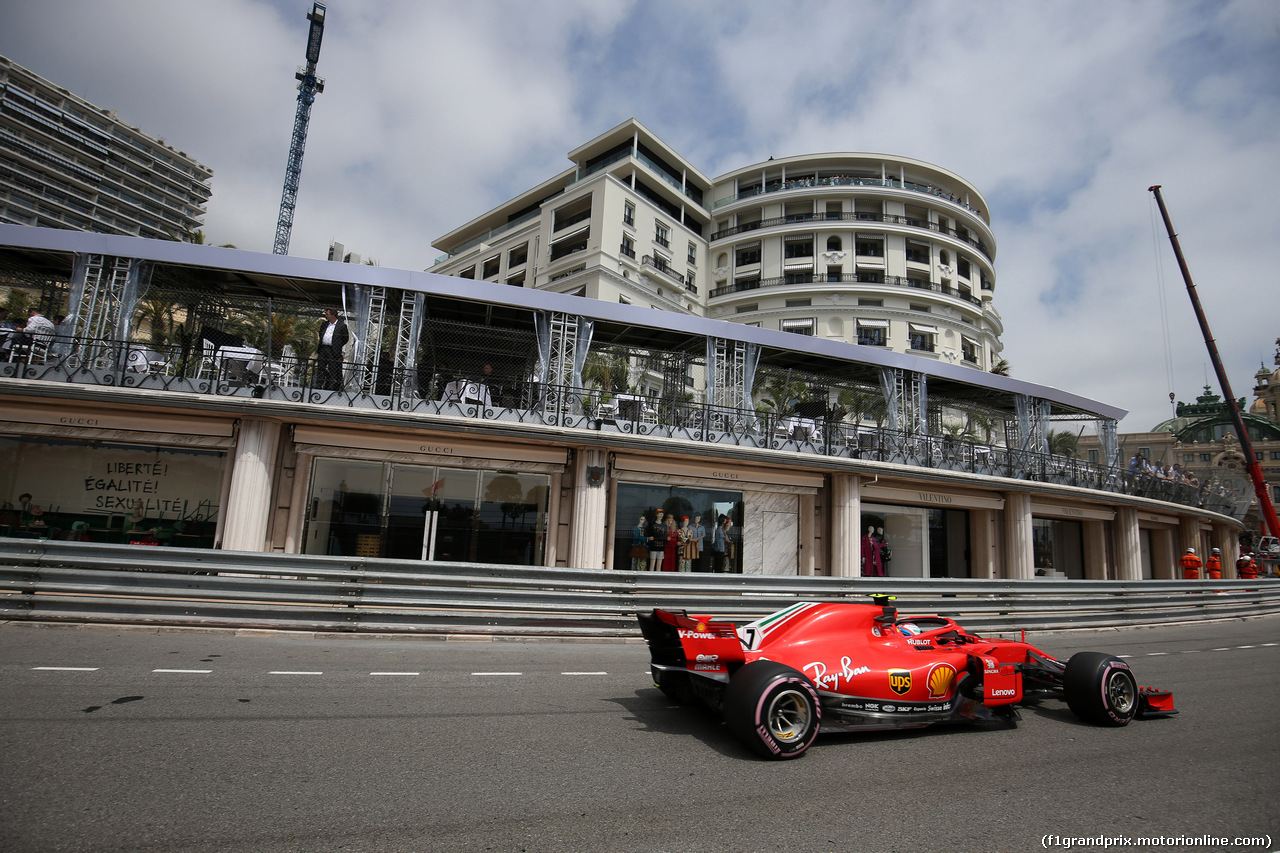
(900, 681)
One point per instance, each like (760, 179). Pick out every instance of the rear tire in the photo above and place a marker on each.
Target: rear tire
(1100, 689)
(773, 709)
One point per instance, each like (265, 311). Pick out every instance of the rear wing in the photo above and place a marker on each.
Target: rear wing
(696, 643)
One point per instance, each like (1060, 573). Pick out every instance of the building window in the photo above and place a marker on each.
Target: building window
(871, 303)
(629, 214)
(516, 280)
(870, 248)
(628, 247)
(798, 247)
(1093, 457)
(969, 350)
(492, 266)
(923, 338)
(873, 333)
(746, 309)
(662, 235)
(693, 254)
(962, 267)
(1204, 457)
(747, 255)
(797, 327)
(917, 254)
(799, 303)
(469, 272)
(518, 256)
(835, 244)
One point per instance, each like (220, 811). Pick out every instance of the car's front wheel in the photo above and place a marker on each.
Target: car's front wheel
(772, 708)
(1100, 688)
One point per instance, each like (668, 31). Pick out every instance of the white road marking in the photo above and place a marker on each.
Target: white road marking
(395, 673)
(65, 668)
(290, 672)
(1156, 654)
(187, 671)
(496, 673)
(584, 673)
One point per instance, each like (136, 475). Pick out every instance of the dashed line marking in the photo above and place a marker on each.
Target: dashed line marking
(496, 673)
(292, 672)
(65, 668)
(185, 671)
(1156, 654)
(584, 673)
(395, 673)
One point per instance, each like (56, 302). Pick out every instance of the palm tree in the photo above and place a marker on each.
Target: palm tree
(1000, 368)
(1063, 442)
(860, 403)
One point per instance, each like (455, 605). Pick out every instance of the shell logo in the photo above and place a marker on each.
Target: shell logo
(702, 626)
(939, 680)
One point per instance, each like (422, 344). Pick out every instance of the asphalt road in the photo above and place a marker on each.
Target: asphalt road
(117, 740)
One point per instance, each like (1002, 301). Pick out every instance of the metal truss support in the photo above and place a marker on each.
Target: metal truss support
(369, 342)
(404, 382)
(104, 292)
(906, 399)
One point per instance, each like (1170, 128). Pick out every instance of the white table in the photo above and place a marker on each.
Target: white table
(460, 391)
(801, 429)
(239, 362)
(145, 360)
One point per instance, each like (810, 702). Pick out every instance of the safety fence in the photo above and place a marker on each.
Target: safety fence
(52, 581)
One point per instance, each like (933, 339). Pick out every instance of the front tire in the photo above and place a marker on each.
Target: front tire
(1100, 689)
(773, 709)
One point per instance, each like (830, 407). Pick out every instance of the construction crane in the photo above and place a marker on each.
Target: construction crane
(1260, 489)
(309, 85)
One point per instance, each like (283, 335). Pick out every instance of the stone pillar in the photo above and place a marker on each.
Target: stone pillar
(1224, 539)
(846, 521)
(1128, 545)
(1189, 537)
(590, 522)
(1095, 550)
(1019, 553)
(983, 543)
(249, 502)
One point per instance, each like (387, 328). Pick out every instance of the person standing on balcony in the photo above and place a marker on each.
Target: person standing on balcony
(1190, 565)
(333, 337)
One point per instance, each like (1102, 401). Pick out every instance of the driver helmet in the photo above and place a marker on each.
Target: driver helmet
(909, 629)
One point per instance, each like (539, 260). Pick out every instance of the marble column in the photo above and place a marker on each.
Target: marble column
(846, 518)
(1164, 557)
(1019, 543)
(1128, 545)
(589, 521)
(248, 508)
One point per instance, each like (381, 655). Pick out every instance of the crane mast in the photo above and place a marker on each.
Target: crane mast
(309, 85)
(1246, 446)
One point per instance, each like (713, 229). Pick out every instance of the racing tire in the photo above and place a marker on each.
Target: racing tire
(1100, 689)
(773, 709)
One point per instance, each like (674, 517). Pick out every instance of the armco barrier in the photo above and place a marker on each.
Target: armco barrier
(124, 584)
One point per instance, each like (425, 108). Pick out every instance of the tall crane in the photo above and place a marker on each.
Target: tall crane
(1260, 489)
(309, 85)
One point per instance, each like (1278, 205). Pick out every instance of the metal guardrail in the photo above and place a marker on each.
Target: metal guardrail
(52, 581)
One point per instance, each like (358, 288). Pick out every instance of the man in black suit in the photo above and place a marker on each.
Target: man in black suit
(333, 337)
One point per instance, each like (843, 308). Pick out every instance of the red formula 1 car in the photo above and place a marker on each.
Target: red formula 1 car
(842, 667)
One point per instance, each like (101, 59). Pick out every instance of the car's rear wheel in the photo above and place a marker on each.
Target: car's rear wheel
(773, 709)
(1100, 688)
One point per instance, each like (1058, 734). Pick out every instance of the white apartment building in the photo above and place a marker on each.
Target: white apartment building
(66, 163)
(882, 251)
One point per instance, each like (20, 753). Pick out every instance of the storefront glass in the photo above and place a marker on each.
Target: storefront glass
(914, 542)
(1058, 546)
(636, 499)
(95, 491)
(415, 512)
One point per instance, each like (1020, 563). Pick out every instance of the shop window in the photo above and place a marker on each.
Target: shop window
(644, 499)
(110, 492)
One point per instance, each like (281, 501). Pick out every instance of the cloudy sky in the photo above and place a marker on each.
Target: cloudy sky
(1062, 113)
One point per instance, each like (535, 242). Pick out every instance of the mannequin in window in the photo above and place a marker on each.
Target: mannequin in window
(884, 551)
(871, 566)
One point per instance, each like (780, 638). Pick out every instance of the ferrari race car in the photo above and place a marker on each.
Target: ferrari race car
(841, 667)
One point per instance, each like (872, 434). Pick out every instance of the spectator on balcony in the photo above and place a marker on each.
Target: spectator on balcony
(39, 327)
(333, 337)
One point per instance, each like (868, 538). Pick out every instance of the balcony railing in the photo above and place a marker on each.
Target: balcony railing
(429, 391)
(804, 183)
(663, 267)
(964, 235)
(802, 279)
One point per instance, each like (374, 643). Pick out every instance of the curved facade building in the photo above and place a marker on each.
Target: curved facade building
(886, 252)
(881, 251)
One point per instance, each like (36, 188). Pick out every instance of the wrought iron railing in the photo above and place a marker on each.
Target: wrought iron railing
(430, 391)
(962, 234)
